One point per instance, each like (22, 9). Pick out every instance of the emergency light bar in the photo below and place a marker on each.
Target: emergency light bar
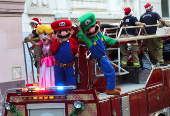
(44, 97)
(54, 88)
(63, 87)
(59, 88)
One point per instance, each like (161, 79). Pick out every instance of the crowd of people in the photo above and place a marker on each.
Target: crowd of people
(58, 48)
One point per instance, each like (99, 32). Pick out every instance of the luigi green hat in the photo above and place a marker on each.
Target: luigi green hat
(87, 20)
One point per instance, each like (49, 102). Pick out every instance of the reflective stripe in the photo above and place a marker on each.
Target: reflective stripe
(123, 62)
(136, 64)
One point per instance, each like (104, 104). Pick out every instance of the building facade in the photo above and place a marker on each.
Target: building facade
(11, 52)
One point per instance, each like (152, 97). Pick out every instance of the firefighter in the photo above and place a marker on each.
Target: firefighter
(89, 32)
(154, 45)
(129, 20)
(34, 22)
(65, 48)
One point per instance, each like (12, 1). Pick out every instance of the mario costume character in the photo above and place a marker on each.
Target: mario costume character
(65, 48)
(89, 32)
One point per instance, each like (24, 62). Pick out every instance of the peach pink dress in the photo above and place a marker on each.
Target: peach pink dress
(46, 77)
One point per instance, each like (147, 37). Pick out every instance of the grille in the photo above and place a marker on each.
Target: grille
(125, 107)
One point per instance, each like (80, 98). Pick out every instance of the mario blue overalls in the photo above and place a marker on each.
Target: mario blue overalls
(64, 56)
(98, 51)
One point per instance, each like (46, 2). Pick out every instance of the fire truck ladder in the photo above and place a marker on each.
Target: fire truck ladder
(142, 34)
(115, 63)
(32, 60)
(161, 32)
(139, 36)
(31, 57)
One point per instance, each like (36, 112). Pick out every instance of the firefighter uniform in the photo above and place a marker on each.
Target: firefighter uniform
(37, 49)
(154, 45)
(37, 52)
(129, 21)
(125, 53)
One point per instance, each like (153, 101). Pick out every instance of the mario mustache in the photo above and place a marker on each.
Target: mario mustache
(96, 29)
(63, 37)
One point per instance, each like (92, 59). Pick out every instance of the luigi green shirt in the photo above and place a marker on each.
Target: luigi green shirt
(87, 40)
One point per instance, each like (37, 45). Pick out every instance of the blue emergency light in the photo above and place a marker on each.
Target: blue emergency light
(59, 88)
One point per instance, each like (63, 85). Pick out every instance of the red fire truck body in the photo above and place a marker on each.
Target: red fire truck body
(144, 93)
(135, 100)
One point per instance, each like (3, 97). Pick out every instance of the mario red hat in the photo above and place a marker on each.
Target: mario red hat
(36, 20)
(127, 11)
(148, 6)
(61, 24)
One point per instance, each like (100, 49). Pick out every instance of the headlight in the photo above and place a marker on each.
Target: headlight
(77, 104)
(8, 106)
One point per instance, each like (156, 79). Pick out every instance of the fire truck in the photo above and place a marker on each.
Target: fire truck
(145, 91)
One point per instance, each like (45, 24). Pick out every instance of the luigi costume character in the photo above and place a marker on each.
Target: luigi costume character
(89, 32)
(65, 48)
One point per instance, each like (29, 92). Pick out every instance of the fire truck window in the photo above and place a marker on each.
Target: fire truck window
(165, 4)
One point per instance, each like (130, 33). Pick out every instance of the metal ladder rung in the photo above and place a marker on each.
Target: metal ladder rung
(111, 33)
(115, 61)
(117, 73)
(122, 73)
